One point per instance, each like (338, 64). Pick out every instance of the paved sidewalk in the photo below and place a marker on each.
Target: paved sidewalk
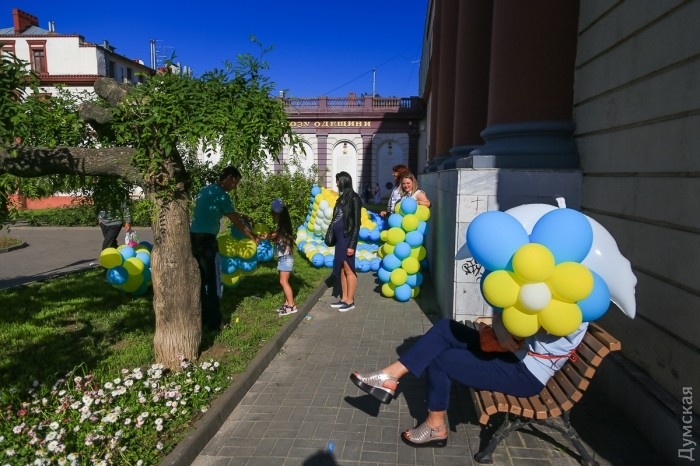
(304, 410)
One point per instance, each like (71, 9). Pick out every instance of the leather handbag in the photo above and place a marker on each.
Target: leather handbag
(330, 238)
(488, 340)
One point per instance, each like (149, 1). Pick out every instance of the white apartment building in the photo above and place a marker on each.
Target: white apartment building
(66, 59)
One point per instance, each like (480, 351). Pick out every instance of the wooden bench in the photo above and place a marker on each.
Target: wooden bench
(551, 407)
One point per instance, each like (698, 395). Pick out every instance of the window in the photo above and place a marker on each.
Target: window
(7, 47)
(129, 75)
(37, 56)
(110, 69)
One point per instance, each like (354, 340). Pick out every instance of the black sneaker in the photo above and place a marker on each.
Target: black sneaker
(338, 304)
(346, 307)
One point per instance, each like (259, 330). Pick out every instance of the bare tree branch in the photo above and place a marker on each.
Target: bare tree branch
(33, 162)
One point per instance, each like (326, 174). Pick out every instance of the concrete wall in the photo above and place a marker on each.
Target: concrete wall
(637, 105)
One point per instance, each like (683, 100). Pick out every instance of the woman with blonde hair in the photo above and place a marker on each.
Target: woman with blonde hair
(409, 188)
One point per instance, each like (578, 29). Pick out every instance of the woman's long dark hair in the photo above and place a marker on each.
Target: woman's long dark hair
(284, 227)
(344, 186)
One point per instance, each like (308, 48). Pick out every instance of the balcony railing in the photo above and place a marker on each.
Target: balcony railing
(358, 104)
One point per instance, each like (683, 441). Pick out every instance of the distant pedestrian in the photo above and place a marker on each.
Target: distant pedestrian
(367, 193)
(377, 193)
(111, 223)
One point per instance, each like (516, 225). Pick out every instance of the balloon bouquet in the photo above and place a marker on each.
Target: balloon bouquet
(403, 254)
(239, 254)
(128, 267)
(549, 267)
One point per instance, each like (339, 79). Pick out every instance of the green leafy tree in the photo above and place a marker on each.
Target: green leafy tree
(148, 135)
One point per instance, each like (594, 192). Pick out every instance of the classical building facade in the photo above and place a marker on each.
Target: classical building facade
(364, 136)
(66, 59)
(596, 102)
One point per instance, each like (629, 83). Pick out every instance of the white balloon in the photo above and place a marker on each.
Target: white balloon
(604, 257)
(323, 204)
(535, 296)
(606, 260)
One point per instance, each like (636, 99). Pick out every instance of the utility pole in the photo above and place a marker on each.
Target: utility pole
(374, 82)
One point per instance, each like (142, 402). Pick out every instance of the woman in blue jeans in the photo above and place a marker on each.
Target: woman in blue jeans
(450, 351)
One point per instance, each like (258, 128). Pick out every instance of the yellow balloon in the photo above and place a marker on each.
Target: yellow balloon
(247, 248)
(132, 283)
(398, 276)
(261, 229)
(533, 262)
(423, 213)
(231, 279)
(380, 253)
(134, 266)
(415, 291)
(520, 324)
(396, 235)
(560, 318)
(410, 222)
(110, 257)
(410, 265)
(397, 207)
(388, 289)
(571, 282)
(501, 289)
(388, 248)
(419, 252)
(227, 245)
(384, 235)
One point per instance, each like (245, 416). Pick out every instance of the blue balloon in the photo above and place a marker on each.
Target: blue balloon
(391, 262)
(127, 252)
(148, 245)
(364, 233)
(414, 280)
(144, 257)
(566, 232)
(596, 304)
(395, 220)
(408, 205)
(375, 263)
(414, 238)
(147, 278)
(117, 275)
(364, 265)
(315, 190)
(141, 290)
(238, 234)
(493, 237)
(402, 250)
(328, 260)
(383, 275)
(374, 235)
(247, 265)
(422, 227)
(265, 251)
(318, 260)
(403, 292)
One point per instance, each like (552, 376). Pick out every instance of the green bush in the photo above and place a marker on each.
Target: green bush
(81, 215)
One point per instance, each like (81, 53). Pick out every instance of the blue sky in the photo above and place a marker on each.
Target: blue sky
(320, 47)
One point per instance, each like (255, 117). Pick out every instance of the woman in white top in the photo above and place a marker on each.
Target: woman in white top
(409, 186)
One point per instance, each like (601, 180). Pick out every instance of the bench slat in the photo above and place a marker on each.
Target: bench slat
(528, 410)
(596, 345)
(540, 409)
(588, 354)
(579, 380)
(501, 402)
(569, 390)
(550, 403)
(477, 398)
(612, 343)
(514, 406)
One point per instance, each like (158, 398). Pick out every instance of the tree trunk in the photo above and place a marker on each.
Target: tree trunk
(176, 284)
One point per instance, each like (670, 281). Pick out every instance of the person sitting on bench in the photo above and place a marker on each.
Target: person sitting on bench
(451, 351)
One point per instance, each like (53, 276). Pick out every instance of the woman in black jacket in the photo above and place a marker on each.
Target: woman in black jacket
(346, 229)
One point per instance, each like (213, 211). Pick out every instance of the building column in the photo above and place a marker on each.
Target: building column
(530, 106)
(322, 155)
(446, 78)
(367, 158)
(471, 78)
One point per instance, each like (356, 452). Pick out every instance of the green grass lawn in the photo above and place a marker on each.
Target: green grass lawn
(58, 334)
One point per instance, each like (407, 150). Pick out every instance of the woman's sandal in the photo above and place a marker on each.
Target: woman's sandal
(425, 436)
(373, 383)
(288, 310)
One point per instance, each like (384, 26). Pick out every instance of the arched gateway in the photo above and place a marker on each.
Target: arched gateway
(364, 136)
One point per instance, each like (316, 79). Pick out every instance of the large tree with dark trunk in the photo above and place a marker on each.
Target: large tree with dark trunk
(148, 135)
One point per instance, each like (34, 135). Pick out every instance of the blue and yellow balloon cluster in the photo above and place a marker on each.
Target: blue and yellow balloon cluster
(239, 254)
(403, 253)
(128, 267)
(310, 235)
(537, 280)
